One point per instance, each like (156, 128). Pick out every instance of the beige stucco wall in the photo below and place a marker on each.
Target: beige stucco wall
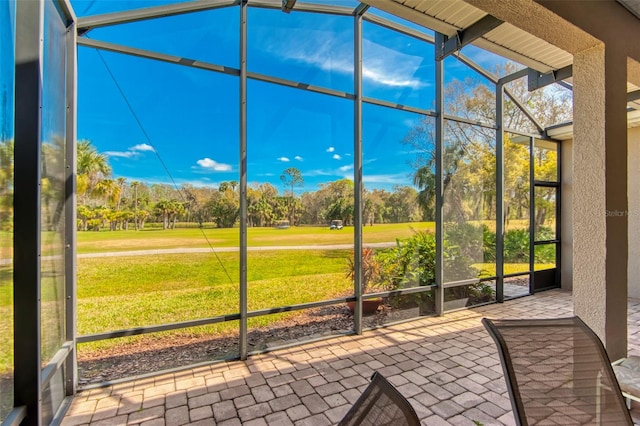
(634, 213)
(600, 247)
(566, 216)
(589, 199)
(633, 191)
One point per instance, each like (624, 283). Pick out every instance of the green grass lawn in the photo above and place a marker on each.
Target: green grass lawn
(135, 291)
(147, 290)
(149, 239)
(489, 269)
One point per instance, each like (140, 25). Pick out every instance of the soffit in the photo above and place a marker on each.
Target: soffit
(450, 16)
(632, 5)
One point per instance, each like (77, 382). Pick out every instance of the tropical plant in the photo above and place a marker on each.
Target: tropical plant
(425, 179)
(412, 262)
(516, 246)
(224, 206)
(92, 167)
(168, 210)
(292, 177)
(370, 269)
(463, 246)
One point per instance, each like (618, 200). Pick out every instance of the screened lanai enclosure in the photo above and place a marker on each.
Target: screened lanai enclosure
(180, 168)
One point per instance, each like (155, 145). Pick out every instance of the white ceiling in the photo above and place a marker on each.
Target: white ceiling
(450, 16)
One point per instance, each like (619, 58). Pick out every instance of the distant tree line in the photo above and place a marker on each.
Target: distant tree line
(469, 168)
(111, 203)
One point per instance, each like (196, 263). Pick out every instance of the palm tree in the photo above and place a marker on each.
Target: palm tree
(163, 208)
(109, 189)
(425, 179)
(169, 210)
(135, 185)
(92, 167)
(292, 177)
(121, 183)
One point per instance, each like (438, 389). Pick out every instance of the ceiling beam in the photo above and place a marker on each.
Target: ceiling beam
(87, 23)
(361, 9)
(633, 96)
(463, 37)
(514, 76)
(287, 5)
(538, 80)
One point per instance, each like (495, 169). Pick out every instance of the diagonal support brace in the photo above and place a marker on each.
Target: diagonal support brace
(466, 36)
(633, 96)
(538, 80)
(287, 5)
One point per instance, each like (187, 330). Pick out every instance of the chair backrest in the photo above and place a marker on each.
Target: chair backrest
(381, 404)
(557, 372)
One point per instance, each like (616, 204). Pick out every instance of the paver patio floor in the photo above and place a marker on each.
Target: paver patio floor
(447, 367)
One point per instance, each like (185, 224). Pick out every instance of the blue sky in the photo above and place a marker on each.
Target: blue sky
(189, 118)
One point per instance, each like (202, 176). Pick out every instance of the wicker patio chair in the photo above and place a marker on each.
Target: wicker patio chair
(381, 404)
(557, 372)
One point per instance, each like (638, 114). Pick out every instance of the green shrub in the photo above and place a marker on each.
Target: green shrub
(545, 233)
(516, 246)
(464, 245)
(545, 253)
(412, 261)
(488, 244)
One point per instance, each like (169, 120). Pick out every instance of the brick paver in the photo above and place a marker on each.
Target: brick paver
(447, 367)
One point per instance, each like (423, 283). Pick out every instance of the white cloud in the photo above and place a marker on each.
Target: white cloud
(209, 164)
(319, 172)
(131, 152)
(395, 179)
(151, 180)
(331, 149)
(283, 159)
(332, 51)
(390, 67)
(121, 154)
(336, 157)
(142, 147)
(298, 158)
(346, 172)
(379, 76)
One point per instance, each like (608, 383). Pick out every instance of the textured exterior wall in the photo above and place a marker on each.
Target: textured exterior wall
(537, 20)
(633, 141)
(589, 220)
(600, 205)
(608, 21)
(566, 215)
(633, 71)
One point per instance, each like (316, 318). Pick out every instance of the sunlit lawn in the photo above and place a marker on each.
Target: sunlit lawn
(147, 290)
(135, 291)
(489, 269)
(149, 239)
